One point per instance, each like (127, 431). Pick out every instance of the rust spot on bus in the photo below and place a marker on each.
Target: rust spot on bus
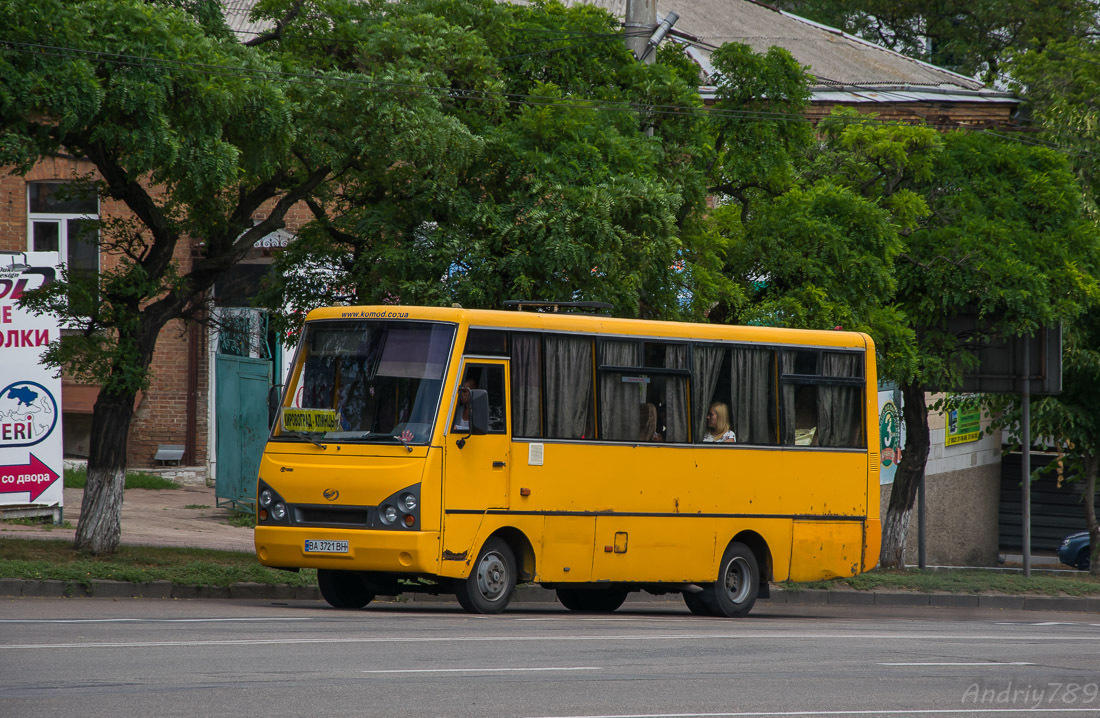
(452, 556)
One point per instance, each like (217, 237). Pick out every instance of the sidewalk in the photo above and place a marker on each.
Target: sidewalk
(185, 517)
(188, 517)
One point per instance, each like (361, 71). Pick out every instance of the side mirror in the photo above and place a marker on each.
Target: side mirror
(273, 396)
(479, 411)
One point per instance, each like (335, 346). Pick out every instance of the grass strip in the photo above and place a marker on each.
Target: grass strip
(78, 478)
(973, 581)
(45, 559)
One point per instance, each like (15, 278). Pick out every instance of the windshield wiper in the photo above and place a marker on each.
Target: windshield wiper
(304, 435)
(405, 443)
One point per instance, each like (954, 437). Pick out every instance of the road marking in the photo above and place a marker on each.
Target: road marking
(894, 712)
(544, 638)
(147, 620)
(489, 670)
(980, 663)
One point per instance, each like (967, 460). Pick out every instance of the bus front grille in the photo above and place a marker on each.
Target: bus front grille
(331, 516)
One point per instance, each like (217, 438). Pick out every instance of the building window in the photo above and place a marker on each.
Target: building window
(64, 219)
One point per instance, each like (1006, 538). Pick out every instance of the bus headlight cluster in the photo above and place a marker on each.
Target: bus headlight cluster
(270, 506)
(401, 510)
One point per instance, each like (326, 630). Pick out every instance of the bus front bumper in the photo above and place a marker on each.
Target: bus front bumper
(391, 551)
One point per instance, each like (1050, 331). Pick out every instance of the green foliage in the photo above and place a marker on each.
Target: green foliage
(1059, 84)
(1006, 239)
(571, 185)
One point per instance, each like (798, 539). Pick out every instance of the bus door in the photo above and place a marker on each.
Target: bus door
(477, 468)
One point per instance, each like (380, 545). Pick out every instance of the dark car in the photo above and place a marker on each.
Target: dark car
(1074, 550)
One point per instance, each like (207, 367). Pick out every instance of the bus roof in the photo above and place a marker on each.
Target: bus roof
(595, 324)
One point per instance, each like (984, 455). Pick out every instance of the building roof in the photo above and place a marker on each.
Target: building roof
(845, 68)
(236, 16)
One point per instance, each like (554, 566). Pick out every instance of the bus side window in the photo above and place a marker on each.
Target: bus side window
(489, 377)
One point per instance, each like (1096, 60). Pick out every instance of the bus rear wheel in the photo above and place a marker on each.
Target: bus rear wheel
(734, 593)
(697, 604)
(343, 589)
(595, 600)
(492, 581)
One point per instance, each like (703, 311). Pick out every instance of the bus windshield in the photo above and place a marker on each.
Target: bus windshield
(367, 381)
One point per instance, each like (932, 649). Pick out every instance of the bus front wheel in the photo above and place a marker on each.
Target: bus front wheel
(343, 589)
(734, 593)
(489, 587)
(595, 600)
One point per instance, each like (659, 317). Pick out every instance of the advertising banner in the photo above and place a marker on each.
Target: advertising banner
(890, 435)
(30, 394)
(963, 424)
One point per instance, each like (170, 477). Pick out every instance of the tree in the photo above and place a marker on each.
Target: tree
(971, 38)
(208, 143)
(1006, 239)
(575, 185)
(932, 226)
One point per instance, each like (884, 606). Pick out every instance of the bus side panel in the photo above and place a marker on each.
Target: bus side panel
(566, 550)
(826, 549)
(431, 491)
(460, 533)
(872, 543)
(673, 549)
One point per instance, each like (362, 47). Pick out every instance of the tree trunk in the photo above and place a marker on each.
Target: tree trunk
(908, 478)
(1091, 463)
(100, 526)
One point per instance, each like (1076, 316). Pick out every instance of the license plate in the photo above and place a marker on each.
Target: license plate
(324, 546)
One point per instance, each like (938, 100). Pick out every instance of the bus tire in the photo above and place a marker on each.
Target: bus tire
(734, 593)
(492, 581)
(595, 600)
(343, 589)
(697, 604)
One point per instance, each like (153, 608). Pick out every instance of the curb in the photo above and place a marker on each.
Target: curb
(26, 588)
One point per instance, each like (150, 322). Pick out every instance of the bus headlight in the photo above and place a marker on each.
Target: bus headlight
(388, 514)
(408, 502)
(278, 511)
(266, 497)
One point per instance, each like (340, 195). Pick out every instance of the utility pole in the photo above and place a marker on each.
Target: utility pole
(641, 20)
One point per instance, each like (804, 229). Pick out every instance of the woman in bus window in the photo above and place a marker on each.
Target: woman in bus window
(718, 425)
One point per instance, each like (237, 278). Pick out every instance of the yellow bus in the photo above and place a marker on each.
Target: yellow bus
(446, 450)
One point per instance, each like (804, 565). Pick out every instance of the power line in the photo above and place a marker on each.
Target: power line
(422, 90)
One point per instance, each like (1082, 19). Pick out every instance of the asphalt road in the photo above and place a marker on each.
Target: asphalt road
(100, 657)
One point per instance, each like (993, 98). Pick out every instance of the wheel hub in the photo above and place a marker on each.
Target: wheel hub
(491, 577)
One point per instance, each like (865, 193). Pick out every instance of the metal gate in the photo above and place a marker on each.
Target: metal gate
(241, 386)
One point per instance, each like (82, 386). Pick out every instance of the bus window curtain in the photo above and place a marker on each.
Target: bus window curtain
(708, 362)
(526, 386)
(838, 409)
(787, 362)
(676, 395)
(568, 387)
(752, 381)
(619, 400)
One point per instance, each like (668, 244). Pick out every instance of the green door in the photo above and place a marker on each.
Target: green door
(241, 388)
